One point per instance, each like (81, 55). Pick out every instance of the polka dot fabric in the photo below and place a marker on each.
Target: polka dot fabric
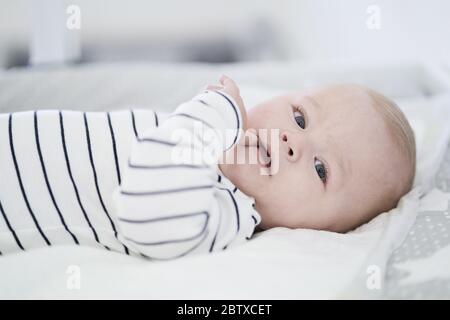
(430, 233)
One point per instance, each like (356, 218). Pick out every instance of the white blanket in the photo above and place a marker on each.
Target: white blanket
(277, 264)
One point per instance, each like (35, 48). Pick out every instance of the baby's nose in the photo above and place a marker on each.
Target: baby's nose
(288, 146)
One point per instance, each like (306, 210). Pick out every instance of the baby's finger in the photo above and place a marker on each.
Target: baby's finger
(250, 138)
(222, 79)
(227, 82)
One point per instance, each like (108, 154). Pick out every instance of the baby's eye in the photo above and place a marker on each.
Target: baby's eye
(300, 119)
(321, 170)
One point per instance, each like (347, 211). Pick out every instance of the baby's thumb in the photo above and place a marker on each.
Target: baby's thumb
(250, 138)
(222, 79)
(226, 81)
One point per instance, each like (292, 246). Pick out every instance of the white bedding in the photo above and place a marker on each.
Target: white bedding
(436, 266)
(277, 264)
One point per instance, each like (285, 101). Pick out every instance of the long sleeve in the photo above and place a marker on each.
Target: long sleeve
(171, 201)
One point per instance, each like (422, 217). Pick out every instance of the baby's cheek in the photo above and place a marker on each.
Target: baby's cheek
(253, 121)
(257, 116)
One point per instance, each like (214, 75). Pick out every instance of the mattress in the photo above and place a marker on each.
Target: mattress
(280, 263)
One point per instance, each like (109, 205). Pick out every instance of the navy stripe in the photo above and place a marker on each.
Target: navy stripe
(238, 125)
(44, 171)
(116, 161)
(113, 141)
(94, 172)
(11, 144)
(165, 166)
(133, 123)
(236, 210)
(185, 115)
(203, 102)
(180, 255)
(150, 193)
(156, 141)
(211, 248)
(170, 143)
(235, 207)
(219, 178)
(235, 189)
(173, 240)
(156, 119)
(69, 170)
(10, 227)
(176, 216)
(254, 219)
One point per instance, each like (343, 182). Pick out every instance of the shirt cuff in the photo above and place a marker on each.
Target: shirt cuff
(229, 123)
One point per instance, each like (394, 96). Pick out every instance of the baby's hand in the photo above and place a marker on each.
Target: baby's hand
(228, 86)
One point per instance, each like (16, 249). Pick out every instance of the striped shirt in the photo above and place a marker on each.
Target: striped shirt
(111, 180)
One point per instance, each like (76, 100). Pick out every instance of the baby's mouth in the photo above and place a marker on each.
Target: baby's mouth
(264, 158)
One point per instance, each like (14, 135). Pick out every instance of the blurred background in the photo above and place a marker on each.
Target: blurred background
(54, 32)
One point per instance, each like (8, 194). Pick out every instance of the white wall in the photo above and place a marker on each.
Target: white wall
(14, 25)
(338, 29)
(136, 20)
(309, 29)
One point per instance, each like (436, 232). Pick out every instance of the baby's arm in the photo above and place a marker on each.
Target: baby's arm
(169, 209)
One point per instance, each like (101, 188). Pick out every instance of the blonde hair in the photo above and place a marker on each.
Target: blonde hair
(403, 135)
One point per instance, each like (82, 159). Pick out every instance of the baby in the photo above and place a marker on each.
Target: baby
(204, 178)
(346, 153)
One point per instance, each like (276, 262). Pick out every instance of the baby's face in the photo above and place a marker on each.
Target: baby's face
(331, 160)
